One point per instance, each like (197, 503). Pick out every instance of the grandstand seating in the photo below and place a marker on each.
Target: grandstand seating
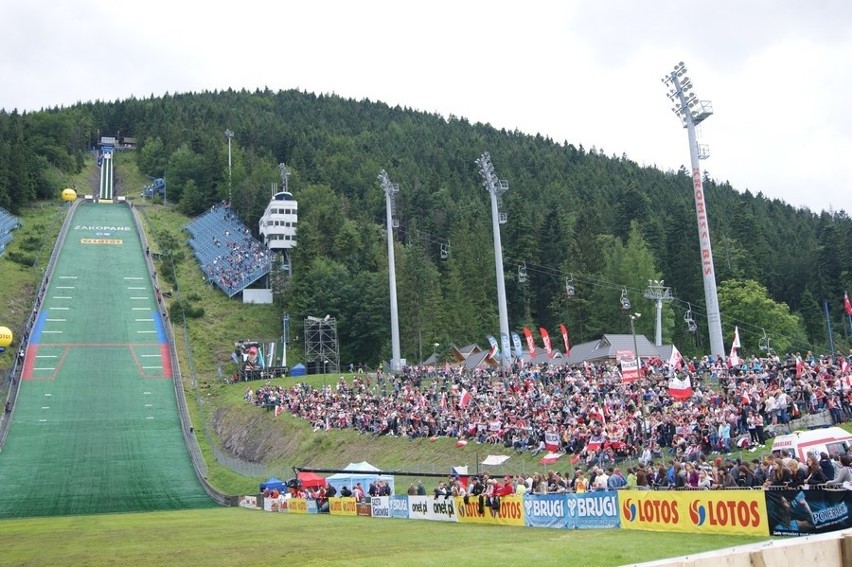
(226, 251)
(8, 223)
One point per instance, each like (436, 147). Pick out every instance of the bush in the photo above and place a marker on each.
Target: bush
(21, 258)
(180, 309)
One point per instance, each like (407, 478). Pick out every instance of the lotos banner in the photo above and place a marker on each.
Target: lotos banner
(804, 512)
(342, 506)
(545, 510)
(592, 510)
(297, 506)
(508, 511)
(740, 512)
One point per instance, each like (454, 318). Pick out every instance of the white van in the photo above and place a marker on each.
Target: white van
(800, 444)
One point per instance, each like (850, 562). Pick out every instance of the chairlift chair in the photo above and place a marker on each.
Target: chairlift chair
(569, 286)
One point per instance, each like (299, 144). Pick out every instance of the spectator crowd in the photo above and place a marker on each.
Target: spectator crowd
(592, 414)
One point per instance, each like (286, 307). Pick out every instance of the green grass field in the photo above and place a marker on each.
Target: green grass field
(248, 537)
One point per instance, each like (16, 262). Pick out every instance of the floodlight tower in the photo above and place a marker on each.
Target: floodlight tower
(658, 293)
(496, 188)
(229, 134)
(391, 189)
(692, 112)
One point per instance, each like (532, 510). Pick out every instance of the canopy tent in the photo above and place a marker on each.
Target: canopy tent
(273, 483)
(298, 370)
(311, 480)
(362, 472)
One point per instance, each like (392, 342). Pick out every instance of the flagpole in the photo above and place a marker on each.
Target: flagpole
(828, 326)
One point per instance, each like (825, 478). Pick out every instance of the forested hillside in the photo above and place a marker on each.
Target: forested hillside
(575, 215)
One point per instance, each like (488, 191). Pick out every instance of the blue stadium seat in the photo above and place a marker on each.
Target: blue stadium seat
(226, 252)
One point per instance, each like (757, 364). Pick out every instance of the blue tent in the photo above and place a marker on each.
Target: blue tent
(298, 370)
(273, 483)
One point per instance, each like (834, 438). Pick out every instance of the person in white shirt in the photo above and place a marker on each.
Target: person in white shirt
(601, 480)
(770, 409)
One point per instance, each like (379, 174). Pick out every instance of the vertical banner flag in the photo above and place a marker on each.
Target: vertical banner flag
(564, 332)
(545, 338)
(846, 305)
(494, 347)
(516, 341)
(507, 349)
(464, 399)
(530, 341)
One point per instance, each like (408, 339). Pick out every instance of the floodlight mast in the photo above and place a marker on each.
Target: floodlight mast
(229, 134)
(496, 187)
(691, 112)
(658, 293)
(391, 189)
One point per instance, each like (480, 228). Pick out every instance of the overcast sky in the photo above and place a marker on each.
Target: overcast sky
(778, 72)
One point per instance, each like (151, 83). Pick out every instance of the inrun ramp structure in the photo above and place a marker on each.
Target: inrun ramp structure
(96, 427)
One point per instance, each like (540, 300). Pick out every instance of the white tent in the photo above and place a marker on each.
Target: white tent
(362, 472)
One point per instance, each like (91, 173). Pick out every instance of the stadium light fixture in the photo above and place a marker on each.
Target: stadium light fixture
(691, 111)
(496, 187)
(391, 189)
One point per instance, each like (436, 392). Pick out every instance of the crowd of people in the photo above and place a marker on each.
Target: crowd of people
(597, 417)
(241, 254)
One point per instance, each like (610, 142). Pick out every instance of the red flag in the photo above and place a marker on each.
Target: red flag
(464, 400)
(551, 441)
(550, 458)
(675, 360)
(545, 338)
(494, 346)
(629, 370)
(734, 359)
(846, 304)
(800, 367)
(530, 341)
(597, 413)
(278, 410)
(680, 388)
(564, 332)
(461, 443)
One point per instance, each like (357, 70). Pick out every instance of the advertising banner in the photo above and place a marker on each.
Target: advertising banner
(418, 507)
(364, 509)
(380, 506)
(398, 506)
(545, 510)
(804, 512)
(441, 509)
(592, 510)
(312, 506)
(740, 512)
(275, 504)
(510, 511)
(298, 505)
(342, 506)
(248, 501)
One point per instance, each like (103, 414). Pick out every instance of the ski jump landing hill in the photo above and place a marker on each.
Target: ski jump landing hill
(99, 423)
